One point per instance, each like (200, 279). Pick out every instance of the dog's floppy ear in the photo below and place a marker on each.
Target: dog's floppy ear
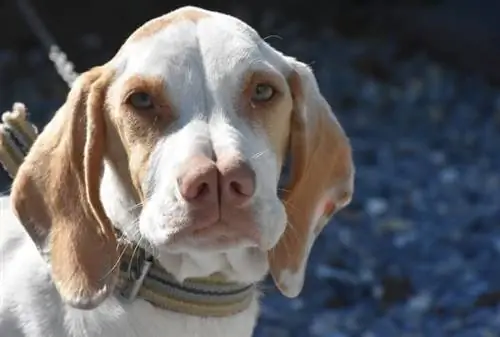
(55, 195)
(321, 180)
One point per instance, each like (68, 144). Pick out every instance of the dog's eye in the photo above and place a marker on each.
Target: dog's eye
(263, 93)
(141, 100)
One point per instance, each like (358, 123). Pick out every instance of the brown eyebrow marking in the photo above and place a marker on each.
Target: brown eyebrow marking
(273, 117)
(153, 85)
(163, 112)
(138, 131)
(152, 27)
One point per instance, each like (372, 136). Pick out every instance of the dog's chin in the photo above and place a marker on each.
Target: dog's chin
(217, 237)
(221, 244)
(189, 250)
(240, 261)
(238, 257)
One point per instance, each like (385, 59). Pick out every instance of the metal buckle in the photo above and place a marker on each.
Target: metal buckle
(136, 277)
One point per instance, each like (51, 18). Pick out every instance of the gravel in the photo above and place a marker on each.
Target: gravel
(414, 254)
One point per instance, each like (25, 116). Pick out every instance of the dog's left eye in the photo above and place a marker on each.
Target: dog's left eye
(141, 101)
(263, 93)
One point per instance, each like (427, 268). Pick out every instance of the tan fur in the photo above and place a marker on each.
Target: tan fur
(321, 160)
(154, 26)
(137, 132)
(56, 195)
(273, 116)
(56, 192)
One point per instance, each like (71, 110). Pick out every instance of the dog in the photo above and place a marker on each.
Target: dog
(156, 199)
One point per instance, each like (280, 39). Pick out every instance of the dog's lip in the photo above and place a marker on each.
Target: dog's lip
(219, 232)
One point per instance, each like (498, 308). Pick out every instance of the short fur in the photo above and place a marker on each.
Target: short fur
(100, 164)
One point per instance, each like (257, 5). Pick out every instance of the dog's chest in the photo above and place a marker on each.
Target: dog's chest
(140, 319)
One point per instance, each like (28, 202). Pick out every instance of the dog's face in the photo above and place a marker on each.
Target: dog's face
(191, 121)
(219, 101)
(209, 182)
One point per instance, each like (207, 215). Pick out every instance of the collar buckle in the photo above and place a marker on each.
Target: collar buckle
(136, 277)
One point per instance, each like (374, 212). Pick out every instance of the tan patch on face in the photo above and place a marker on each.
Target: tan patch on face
(154, 26)
(135, 133)
(272, 116)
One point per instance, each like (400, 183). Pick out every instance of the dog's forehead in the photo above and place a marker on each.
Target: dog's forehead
(202, 57)
(192, 44)
(192, 39)
(190, 14)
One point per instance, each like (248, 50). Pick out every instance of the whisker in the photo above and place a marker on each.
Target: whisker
(273, 36)
(285, 241)
(136, 248)
(116, 264)
(124, 240)
(259, 154)
(286, 247)
(289, 204)
(293, 230)
(134, 207)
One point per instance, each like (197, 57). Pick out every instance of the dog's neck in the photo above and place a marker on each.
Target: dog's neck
(124, 212)
(141, 276)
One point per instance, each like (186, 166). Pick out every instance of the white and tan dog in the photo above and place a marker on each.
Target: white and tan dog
(177, 143)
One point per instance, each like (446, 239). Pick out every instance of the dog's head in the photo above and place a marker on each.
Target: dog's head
(179, 142)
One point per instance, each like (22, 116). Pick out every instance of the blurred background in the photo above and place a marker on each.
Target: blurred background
(416, 86)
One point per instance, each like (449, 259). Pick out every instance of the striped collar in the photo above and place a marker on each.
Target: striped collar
(142, 277)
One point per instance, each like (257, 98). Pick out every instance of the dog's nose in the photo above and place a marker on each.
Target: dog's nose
(198, 183)
(236, 183)
(217, 193)
(230, 182)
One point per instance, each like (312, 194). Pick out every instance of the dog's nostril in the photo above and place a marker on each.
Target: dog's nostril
(237, 182)
(236, 187)
(199, 181)
(241, 188)
(195, 190)
(203, 189)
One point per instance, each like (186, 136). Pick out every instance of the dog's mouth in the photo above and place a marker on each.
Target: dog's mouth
(216, 236)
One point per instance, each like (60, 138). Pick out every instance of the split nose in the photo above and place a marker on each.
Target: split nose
(229, 182)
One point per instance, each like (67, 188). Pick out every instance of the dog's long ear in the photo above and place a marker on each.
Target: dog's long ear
(55, 195)
(321, 180)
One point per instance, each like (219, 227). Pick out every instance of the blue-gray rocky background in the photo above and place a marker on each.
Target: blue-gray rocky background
(416, 253)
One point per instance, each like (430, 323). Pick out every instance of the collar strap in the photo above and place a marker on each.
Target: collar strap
(141, 276)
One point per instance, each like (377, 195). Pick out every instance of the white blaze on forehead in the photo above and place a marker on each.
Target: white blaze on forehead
(199, 58)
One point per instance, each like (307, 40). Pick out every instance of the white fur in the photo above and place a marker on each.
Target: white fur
(30, 305)
(203, 65)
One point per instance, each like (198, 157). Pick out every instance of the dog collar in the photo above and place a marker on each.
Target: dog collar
(142, 277)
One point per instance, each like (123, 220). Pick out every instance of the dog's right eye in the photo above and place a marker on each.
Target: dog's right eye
(141, 101)
(263, 93)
